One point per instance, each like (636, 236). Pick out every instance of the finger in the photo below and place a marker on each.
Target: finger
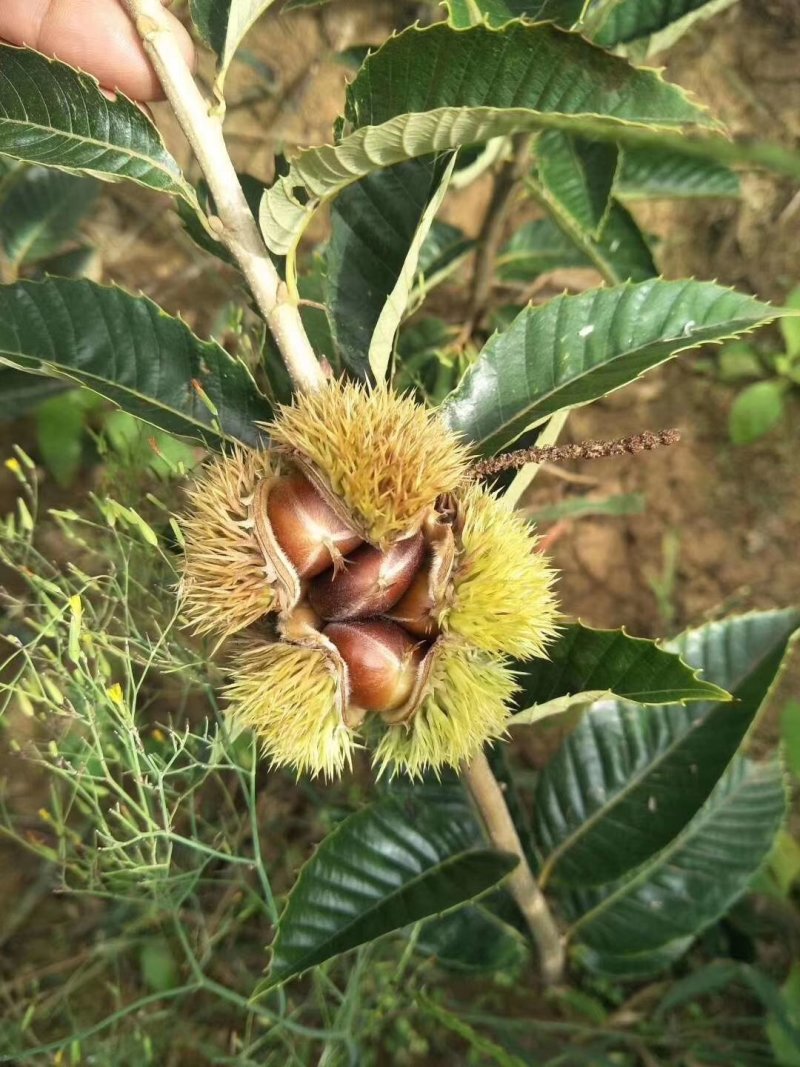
(95, 35)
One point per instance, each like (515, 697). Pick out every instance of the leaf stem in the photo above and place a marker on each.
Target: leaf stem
(490, 802)
(234, 224)
(506, 185)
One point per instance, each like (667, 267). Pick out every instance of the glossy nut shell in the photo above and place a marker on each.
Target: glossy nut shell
(308, 530)
(416, 610)
(382, 660)
(370, 582)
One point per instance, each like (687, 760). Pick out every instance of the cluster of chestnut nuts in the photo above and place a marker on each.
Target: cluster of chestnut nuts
(375, 606)
(361, 571)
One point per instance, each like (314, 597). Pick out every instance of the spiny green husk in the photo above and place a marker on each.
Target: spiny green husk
(287, 694)
(386, 457)
(467, 704)
(502, 599)
(226, 585)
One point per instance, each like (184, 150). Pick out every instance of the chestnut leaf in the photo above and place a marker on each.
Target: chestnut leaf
(404, 858)
(129, 351)
(576, 349)
(661, 907)
(439, 88)
(52, 114)
(628, 779)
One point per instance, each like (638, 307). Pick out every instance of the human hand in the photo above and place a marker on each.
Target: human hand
(95, 35)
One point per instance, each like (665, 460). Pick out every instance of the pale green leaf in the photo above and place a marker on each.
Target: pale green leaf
(790, 326)
(756, 410)
(585, 506)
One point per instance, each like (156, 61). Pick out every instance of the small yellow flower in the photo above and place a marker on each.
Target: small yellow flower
(367, 582)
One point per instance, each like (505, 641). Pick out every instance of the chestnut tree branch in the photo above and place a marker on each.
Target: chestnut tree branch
(490, 802)
(233, 225)
(506, 185)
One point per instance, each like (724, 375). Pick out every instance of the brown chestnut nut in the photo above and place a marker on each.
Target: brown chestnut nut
(306, 527)
(370, 582)
(382, 660)
(416, 610)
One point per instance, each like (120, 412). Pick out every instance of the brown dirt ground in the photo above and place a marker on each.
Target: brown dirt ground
(736, 511)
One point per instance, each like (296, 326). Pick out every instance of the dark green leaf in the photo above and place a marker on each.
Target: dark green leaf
(580, 175)
(20, 391)
(756, 410)
(373, 224)
(608, 662)
(41, 212)
(253, 189)
(709, 979)
(482, 1049)
(443, 249)
(537, 247)
(74, 263)
(438, 88)
(647, 174)
(628, 779)
(620, 252)
(464, 13)
(402, 859)
(634, 965)
(575, 349)
(54, 115)
(523, 66)
(128, 350)
(696, 879)
(718, 976)
(737, 361)
(630, 19)
(472, 939)
(425, 362)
